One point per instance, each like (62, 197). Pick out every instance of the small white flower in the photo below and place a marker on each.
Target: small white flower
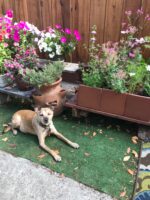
(49, 49)
(132, 74)
(93, 32)
(48, 34)
(36, 39)
(93, 39)
(140, 41)
(51, 55)
(42, 34)
(53, 35)
(148, 67)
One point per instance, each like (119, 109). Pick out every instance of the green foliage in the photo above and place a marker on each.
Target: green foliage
(48, 75)
(5, 53)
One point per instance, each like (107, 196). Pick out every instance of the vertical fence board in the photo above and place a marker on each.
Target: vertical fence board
(113, 20)
(97, 17)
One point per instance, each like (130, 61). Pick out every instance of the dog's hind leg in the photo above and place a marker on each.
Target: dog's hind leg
(15, 123)
(46, 148)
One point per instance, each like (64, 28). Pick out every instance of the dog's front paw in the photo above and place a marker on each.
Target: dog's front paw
(75, 145)
(57, 158)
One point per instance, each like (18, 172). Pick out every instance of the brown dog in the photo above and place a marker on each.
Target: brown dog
(39, 123)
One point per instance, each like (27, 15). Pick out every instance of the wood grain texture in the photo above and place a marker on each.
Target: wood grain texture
(78, 14)
(113, 20)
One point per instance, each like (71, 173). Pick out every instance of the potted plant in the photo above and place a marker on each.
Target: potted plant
(57, 42)
(15, 67)
(47, 82)
(117, 81)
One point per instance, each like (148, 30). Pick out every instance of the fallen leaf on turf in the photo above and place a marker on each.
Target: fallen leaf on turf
(130, 171)
(122, 194)
(5, 139)
(87, 154)
(6, 129)
(41, 156)
(62, 175)
(126, 158)
(108, 127)
(111, 138)
(128, 150)
(5, 125)
(134, 139)
(135, 154)
(12, 145)
(94, 134)
(76, 168)
(101, 131)
(86, 133)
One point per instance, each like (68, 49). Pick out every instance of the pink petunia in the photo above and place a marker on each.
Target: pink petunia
(16, 36)
(58, 26)
(9, 13)
(63, 40)
(5, 44)
(131, 55)
(78, 37)
(128, 13)
(67, 30)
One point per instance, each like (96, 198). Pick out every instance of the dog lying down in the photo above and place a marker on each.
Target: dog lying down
(39, 122)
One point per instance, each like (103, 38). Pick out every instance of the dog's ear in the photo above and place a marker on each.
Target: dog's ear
(37, 109)
(52, 104)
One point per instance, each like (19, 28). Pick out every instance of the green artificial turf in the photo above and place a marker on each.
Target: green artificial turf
(99, 160)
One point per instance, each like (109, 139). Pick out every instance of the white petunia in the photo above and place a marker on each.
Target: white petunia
(148, 67)
(48, 34)
(51, 55)
(132, 74)
(36, 39)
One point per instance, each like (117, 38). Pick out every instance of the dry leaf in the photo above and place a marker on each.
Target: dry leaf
(134, 139)
(108, 127)
(130, 171)
(128, 150)
(5, 139)
(62, 175)
(135, 154)
(13, 145)
(94, 134)
(111, 138)
(41, 156)
(86, 133)
(101, 131)
(87, 154)
(126, 158)
(6, 129)
(122, 194)
(5, 125)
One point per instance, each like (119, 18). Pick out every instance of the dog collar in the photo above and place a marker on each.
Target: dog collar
(45, 126)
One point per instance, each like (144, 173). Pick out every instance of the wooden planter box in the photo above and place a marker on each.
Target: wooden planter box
(125, 106)
(89, 97)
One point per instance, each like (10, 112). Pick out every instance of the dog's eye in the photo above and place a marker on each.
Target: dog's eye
(49, 113)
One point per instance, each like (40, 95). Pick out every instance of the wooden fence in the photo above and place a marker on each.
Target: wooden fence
(78, 14)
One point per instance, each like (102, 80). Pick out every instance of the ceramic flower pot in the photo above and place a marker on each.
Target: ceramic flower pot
(137, 107)
(49, 93)
(89, 97)
(4, 81)
(113, 102)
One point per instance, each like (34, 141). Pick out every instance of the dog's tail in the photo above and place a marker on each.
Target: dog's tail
(6, 128)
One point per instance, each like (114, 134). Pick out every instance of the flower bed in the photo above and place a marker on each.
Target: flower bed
(117, 81)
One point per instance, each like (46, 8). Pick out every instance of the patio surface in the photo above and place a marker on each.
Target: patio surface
(23, 180)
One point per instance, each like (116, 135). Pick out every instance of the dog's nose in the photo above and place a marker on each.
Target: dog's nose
(45, 119)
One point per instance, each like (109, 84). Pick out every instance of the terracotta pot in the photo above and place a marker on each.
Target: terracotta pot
(49, 93)
(51, 88)
(22, 85)
(89, 97)
(137, 107)
(113, 102)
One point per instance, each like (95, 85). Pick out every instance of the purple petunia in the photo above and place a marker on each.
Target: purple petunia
(9, 13)
(63, 40)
